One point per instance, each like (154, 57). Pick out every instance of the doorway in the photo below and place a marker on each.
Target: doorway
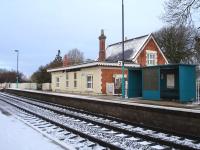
(135, 83)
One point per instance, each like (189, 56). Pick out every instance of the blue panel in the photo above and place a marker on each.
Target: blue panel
(187, 77)
(134, 83)
(151, 95)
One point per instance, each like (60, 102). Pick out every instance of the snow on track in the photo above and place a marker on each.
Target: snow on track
(15, 135)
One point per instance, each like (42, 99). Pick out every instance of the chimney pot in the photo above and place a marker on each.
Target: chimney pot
(65, 61)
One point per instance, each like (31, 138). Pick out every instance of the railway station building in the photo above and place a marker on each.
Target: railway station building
(104, 75)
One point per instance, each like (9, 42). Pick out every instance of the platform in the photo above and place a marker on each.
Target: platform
(170, 116)
(119, 99)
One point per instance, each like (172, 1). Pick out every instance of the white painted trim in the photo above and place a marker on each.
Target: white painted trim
(160, 50)
(91, 82)
(150, 51)
(141, 49)
(93, 64)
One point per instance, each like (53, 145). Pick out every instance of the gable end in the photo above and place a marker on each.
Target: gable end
(150, 45)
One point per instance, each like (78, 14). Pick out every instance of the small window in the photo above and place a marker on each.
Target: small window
(57, 82)
(151, 58)
(67, 80)
(67, 83)
(75, 83)
(67, 76)
(75, 75)
(170, 81)
(89, 81)
(75, 79)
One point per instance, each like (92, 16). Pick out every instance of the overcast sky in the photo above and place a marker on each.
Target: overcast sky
(38, 28)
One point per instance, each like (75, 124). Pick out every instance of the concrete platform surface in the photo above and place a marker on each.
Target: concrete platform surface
(118, 99)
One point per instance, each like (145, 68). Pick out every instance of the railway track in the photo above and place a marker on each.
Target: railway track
(109, 133)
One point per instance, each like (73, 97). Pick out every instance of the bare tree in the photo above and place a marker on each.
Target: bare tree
(180, 11)
(197, 49)
(10, 76)
(74, 56)
(178, 43)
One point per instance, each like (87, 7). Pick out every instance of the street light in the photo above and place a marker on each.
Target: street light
(17, 77)
(123, 81)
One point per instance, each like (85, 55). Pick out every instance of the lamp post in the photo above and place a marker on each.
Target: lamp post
(17, 77)
(123, 80)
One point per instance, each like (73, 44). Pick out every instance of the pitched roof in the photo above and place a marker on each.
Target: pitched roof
(131, 48)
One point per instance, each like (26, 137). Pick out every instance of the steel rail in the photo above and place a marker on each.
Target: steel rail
(96, 140)
(131, 133)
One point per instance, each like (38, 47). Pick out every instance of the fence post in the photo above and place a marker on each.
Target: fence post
(198, 82)
(198, 91)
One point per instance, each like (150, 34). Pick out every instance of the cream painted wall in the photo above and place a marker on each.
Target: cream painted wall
(81, 81)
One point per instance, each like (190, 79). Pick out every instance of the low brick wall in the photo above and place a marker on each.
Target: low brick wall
(178, 121)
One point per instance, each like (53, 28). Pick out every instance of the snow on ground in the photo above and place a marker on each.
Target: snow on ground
(15, 135)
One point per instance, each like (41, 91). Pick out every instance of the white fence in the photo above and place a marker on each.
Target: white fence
(198, 91)
(4, 85)
(46, 87)
(28, 86)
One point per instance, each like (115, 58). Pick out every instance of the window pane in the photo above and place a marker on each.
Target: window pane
(151, 58)
(154, 56)
(89, 81)
(67, 77)
(148, 56)
(67, 84)
(89, 85)
(75, 83)
(89, 78)
(75, 75)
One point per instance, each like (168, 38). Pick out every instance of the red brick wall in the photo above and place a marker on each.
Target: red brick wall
(102, 51)
(107, 76)
(150, 46)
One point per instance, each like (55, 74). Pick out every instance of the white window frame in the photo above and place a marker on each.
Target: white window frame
(89, 82)
(151, 58)
(57, 82)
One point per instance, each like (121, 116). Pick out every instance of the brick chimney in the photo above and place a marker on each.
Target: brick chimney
(102, 49)
(65, 61)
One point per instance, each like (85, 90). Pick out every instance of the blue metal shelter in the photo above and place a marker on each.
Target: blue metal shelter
(172, 81)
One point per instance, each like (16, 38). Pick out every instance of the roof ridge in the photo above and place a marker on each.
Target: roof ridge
(129, 40)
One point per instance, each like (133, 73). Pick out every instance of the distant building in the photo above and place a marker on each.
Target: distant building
(104, 76)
